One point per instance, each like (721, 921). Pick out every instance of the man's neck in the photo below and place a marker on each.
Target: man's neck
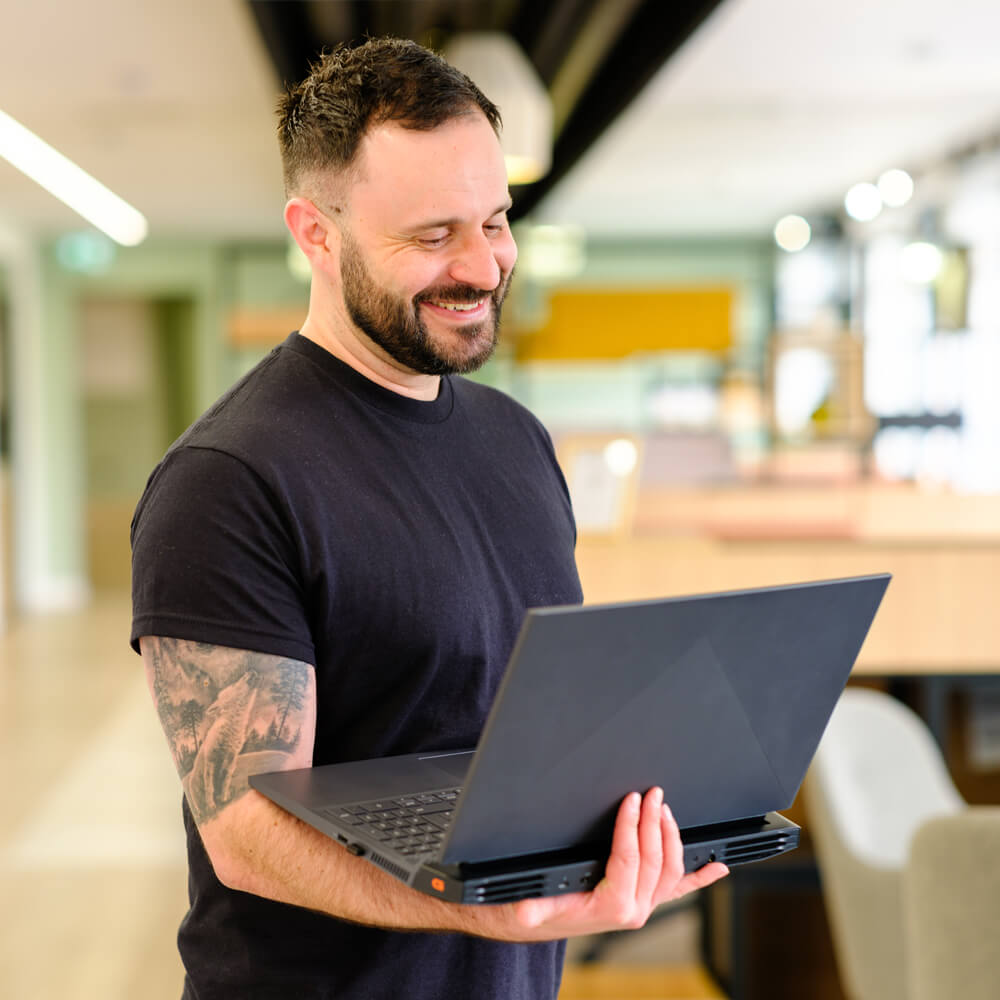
(344, 342)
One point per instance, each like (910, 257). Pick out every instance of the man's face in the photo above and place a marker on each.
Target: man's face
(427, 253)
(397, 324)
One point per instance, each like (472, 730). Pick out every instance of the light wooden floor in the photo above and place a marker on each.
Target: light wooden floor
(92, 873)
(636, 982)
(91, 860)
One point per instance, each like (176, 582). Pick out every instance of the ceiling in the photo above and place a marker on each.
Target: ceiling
(769, 106)
(778, 106)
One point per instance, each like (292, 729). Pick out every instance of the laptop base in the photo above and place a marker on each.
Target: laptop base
(580, 869)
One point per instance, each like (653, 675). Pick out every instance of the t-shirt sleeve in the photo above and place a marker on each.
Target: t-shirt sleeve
(214, 559)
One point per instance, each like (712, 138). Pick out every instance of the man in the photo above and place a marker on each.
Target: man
(334, 561)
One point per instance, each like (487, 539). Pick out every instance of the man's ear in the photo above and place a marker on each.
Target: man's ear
(318, 238)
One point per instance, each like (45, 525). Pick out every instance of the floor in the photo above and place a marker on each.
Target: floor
(91, 850)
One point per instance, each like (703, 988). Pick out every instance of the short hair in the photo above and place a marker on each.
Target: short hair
(349, 91)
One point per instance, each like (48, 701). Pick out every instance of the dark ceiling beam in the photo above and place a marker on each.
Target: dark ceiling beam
(545, 31)
(289, 36)
(654, 33)
(377, 18)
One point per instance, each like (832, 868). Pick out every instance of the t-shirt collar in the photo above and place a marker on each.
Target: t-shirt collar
(428, 411)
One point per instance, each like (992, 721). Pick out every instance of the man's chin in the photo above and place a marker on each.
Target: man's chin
(471, 364)
(466, 352)
(462, 364)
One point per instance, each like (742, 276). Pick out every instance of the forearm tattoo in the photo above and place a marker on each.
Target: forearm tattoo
(228, 713)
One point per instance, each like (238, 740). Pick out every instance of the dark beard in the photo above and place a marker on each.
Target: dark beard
(397, 327)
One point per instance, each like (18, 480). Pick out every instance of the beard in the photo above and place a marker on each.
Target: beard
(395, 324)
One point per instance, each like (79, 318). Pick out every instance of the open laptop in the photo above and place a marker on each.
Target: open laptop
(720, 699)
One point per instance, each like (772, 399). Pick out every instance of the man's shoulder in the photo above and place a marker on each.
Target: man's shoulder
(264, 410)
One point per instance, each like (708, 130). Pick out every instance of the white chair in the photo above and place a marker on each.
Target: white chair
(951, 903)
(877, 777)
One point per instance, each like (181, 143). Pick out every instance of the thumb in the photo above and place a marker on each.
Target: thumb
(532, 912)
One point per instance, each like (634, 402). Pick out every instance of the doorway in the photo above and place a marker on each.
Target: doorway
(137, 378)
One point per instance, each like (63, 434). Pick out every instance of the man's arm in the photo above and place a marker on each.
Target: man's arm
(230, 713)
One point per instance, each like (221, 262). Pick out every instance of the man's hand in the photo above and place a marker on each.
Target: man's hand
(645, 869)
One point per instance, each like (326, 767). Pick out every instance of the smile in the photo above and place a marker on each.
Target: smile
(459, 306)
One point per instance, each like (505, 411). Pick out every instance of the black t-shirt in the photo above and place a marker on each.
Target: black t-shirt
(395, 544)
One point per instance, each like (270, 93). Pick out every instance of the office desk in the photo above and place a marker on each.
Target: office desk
(938, 616)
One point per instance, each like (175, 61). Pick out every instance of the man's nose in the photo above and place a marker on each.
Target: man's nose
(475, 263)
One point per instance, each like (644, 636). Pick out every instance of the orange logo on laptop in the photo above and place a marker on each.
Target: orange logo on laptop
(437, 884)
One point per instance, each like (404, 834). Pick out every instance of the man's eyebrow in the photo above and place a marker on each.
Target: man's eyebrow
(455, 221)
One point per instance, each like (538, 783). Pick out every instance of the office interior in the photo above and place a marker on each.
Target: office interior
(757, 306)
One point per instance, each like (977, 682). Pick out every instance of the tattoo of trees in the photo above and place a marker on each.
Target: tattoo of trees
(291, 689)
(227, 714)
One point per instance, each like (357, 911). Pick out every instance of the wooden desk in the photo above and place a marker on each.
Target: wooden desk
(939, 615)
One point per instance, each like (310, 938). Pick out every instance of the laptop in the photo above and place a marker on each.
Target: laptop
(720, 699)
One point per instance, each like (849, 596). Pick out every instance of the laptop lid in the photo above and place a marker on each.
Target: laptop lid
(721, 699)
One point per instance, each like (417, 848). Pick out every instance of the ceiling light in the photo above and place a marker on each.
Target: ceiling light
(792, 233)
(74, 187)
(621, 456)
(920, 263)
(863, 202)
(502, 72)
(896, 187)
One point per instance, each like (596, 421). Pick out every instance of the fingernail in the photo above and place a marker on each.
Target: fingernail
(667, 814)
(634, 801)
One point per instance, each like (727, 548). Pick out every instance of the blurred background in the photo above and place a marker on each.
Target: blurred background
(757, 306)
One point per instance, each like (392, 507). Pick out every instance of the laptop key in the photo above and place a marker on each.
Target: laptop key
(432, 807)
(441, 821)
(400, 820)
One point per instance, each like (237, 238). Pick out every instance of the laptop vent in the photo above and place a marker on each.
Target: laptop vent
(753, 849)
(511, 889)
(390, 866)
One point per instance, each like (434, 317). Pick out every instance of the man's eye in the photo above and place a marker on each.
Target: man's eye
(432, 241)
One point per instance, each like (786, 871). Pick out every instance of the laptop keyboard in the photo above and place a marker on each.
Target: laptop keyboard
(411, 825)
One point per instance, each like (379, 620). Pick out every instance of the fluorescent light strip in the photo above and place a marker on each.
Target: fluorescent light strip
(62, 178)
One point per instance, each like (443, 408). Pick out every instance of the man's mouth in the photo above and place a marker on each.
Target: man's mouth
(457, 306)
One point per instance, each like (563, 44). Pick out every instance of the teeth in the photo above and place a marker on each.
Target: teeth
(460, 306)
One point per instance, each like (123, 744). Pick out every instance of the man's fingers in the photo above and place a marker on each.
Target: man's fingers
(700, 879)
(673, 882)
(622, 871)
(651, 846)
(672, 868)
(645, 868)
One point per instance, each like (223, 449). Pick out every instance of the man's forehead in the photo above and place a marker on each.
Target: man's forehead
(462, 156)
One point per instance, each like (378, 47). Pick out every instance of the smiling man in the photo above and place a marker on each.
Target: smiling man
(422, 250)
(333, 563)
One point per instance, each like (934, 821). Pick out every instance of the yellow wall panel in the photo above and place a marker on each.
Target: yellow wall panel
(614, 323)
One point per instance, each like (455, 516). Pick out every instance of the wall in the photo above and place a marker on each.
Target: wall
(614, 391)
(193, 287)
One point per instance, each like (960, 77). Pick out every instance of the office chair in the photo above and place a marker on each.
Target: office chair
(877, 778)
(951, 905)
